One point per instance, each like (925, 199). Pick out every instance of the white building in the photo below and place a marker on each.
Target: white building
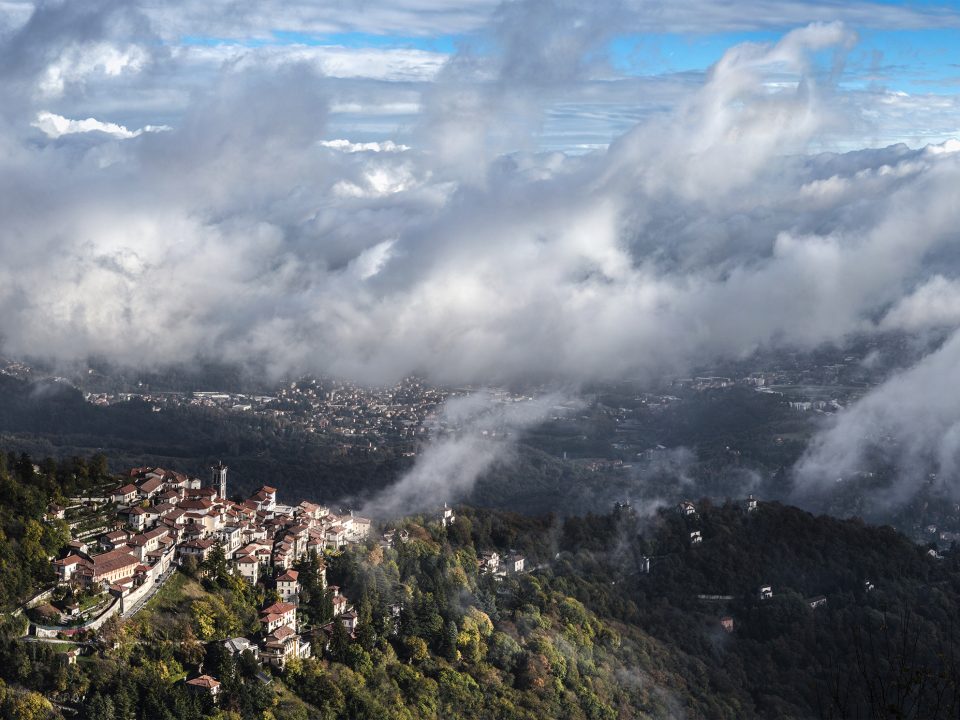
(288, 586)
(278, 615)
(283, 645)
(249, 568)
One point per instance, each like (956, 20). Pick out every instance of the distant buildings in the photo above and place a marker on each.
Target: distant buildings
(489, 562)
(515, 563)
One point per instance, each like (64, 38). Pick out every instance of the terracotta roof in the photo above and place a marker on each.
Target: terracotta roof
(289, 576)
(201, 544)
(279, 608)
(113, 560)
(196, 504)
(282, 632)
(151, 484)
(202, 492)
(204, 681)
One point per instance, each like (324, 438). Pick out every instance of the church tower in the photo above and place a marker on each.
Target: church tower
(220, 479)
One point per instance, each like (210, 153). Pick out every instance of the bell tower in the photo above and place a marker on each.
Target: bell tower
(220, 479)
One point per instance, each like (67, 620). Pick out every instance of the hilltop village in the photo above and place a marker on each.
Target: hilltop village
(164, 519)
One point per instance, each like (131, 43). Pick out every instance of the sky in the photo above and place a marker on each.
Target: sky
(487, 192)
(378, 56)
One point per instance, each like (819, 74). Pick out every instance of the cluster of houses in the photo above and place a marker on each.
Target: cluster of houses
(492, 563)
(164, 517)
(162, 514)
(281, 636)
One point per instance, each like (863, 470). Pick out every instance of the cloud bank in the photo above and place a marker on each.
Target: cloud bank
(910, 423)
(243, 233)
(252, 231)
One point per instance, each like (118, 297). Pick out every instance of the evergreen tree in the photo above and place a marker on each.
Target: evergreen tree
(450, 634)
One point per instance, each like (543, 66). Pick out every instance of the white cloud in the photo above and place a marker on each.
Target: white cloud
(388, 146)
(935, 304)
(692, 237)
(78, 62)
(55, 126)
(911, 422)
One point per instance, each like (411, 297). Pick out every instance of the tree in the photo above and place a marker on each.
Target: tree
(29, 706)
(98, 466)
(366, 635)
(339, 642)
(450, 637)
(100, 707)
(415, 649)
(216, 565)
(459, 693)
(189, 566)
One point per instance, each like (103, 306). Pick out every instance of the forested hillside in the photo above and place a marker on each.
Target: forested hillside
(613, 616)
